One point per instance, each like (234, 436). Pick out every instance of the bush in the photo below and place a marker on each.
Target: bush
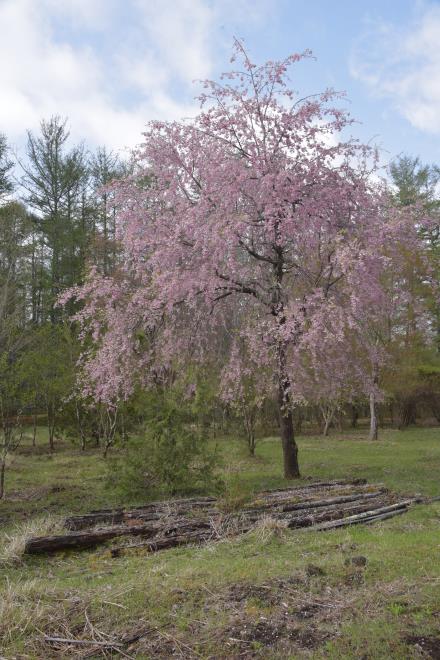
(172, 458)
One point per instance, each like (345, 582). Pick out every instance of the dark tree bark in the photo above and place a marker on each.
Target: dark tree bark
(249, 425)
(298, 419)
(374, 425)
(327, 415)
(34, 432)
(51, 426)
(290, 448)
(354, 416)
(2, 477)
(408, 413)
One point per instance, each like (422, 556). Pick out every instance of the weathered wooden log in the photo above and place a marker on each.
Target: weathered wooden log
(83, 539)
(243, 526)
(331, 514)
(331, 501)
(314, 503)
(370, 519)
(172, 523)
(90, 519)
(164, 544)
(363, 517)
(300, 519)
(76, 523)
(316, 484)
(194, 501)
(88, 539)
(323, 510)
(154, 510)
(385, 516)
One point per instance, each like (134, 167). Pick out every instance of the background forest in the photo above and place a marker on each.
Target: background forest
(219, 352)
(58, 221)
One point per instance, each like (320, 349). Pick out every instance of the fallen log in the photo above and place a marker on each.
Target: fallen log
(385, 516)
(312, 516)
(79, 540)
(156, 510)
(88, 539)
(317, 484)
(83, 522)
(245, 526)
(341, 499)
(194, 501)
(153, 511)
(314, 504)
(166, 525)
(376, 514)
(330, 514)
(163, 544)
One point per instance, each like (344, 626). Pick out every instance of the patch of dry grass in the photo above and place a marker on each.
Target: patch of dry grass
(13, 542)
(22, 606)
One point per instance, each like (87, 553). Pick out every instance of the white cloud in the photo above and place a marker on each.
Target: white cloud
(403, 64)
(108, 66)
(181, 33)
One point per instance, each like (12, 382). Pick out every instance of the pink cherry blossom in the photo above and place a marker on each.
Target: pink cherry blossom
(256, 222)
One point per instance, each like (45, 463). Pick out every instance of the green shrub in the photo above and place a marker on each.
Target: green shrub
(173, 457)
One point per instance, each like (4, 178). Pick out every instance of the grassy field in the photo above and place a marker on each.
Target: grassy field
(269, 594)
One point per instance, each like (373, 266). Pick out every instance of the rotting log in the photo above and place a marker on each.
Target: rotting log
(300, 519)
(157, 510)
(153, 511)
(88, 539)
(342, 518)
(317, 484)
(371, 515)
(330, 501)
(330, 514)
(164, 543)
(83, 539)
(180, 522)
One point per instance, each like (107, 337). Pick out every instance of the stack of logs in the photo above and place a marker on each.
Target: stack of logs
(160, 525)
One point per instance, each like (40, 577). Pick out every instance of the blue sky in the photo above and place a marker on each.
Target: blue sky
(111, 65)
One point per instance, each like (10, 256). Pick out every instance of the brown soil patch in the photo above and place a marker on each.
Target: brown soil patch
(430, 646)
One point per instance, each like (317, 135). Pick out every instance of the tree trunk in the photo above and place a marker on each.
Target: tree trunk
(340, 421)
(407, 413)
(249, 425)
(327, 416)
(51, 426)
(123, 431)
(374, 425)
(373, 418)
(80, 426)
(251, 443)
(2, 477)
(290, 448)
(354, 416)
(298, 421)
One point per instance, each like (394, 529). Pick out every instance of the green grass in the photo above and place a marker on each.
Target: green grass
(253, 595)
